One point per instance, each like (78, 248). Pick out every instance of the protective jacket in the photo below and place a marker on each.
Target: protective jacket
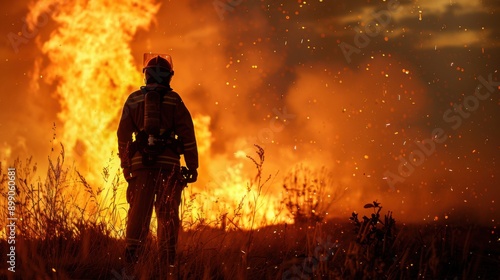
(174, 119)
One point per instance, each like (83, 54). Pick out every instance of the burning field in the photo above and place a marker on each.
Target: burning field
(304, 112)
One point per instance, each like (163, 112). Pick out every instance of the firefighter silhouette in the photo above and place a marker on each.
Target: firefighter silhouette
(155, 129)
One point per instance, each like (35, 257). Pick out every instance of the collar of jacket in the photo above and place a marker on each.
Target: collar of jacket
(157, 87)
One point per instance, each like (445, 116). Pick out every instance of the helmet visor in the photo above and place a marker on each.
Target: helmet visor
(148, 56)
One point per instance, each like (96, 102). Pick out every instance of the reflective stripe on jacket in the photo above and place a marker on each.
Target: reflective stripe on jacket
(174, 117)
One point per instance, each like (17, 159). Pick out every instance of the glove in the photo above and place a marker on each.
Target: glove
(189, 175)
(127, 174)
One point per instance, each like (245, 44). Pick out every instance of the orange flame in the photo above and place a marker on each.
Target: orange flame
(91, 64)
(90, 61)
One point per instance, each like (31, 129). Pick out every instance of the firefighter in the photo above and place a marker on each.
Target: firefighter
(154, 130)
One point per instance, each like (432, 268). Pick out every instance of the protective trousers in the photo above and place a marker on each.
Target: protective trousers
(162, 189)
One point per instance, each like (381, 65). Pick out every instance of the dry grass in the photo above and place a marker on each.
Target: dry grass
(67, 234)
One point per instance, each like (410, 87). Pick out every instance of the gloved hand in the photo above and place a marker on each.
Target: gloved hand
(189, 175)
(127, 174)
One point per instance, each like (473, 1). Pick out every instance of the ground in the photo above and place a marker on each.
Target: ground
(328, 250)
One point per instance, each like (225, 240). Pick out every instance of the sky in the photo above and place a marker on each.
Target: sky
(399, 99)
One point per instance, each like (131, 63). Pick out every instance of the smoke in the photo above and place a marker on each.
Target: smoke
(269, 74)
(282, 84)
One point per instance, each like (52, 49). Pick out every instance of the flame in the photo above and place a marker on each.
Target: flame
(89, 60)
(5, 150)
(252, 79)
(92, 67)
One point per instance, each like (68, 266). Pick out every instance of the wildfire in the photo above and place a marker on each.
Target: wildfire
(244, 85)
(89, 60)
(91, 64)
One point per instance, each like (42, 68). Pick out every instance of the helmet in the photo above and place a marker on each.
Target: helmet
(158, 69)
